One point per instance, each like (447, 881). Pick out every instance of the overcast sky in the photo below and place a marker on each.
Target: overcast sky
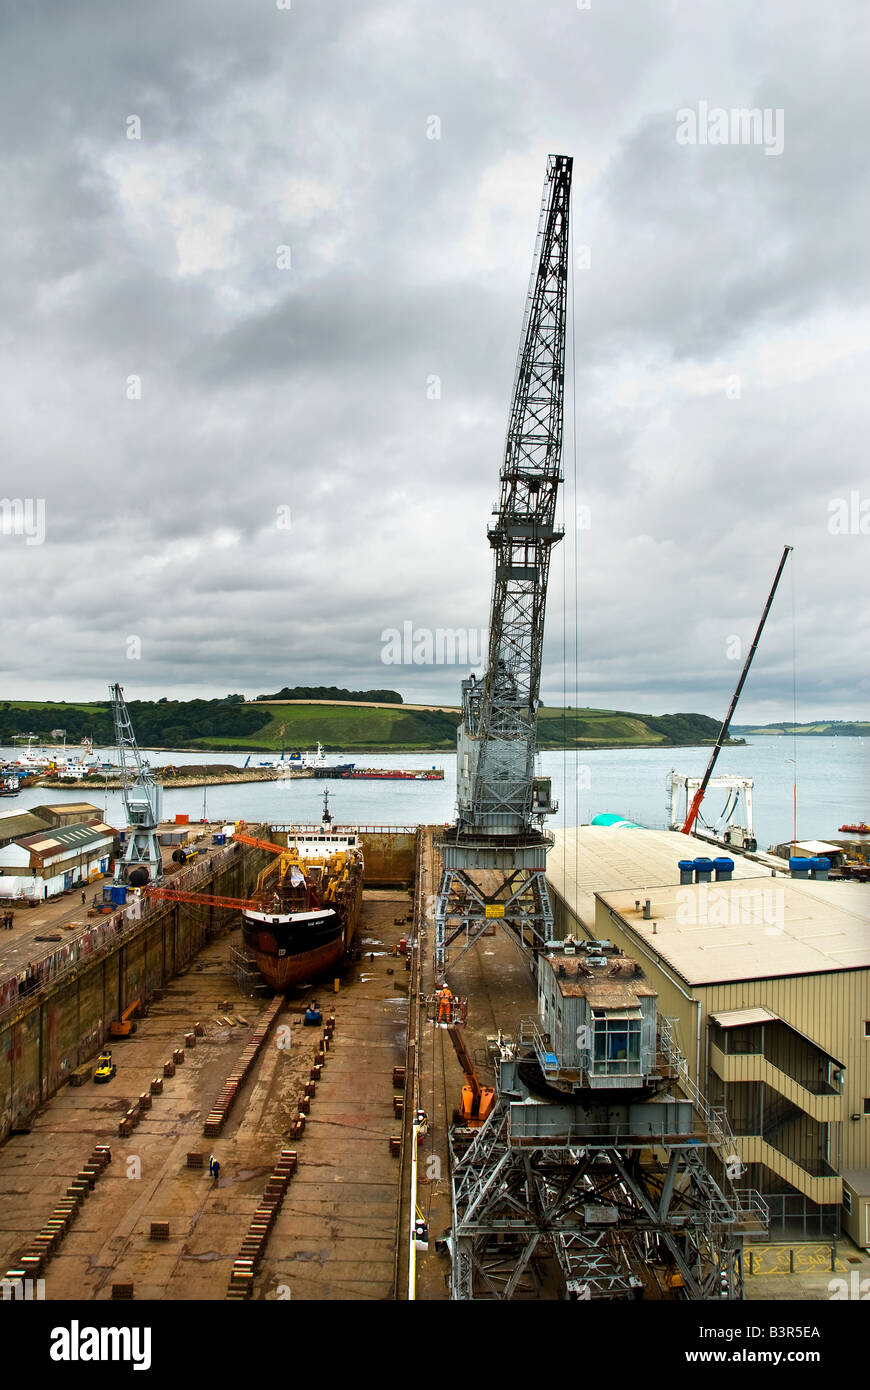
(291, 484)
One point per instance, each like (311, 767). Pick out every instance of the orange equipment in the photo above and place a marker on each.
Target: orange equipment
(259, 844)
(122, 1027)
(477, 1101)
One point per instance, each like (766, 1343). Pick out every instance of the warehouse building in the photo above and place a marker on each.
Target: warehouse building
(53, 860)
(69, 813)
(14, 824)
(767, 981)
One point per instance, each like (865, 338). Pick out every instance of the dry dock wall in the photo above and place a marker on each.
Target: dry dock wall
(50, 1033)
(390, 856)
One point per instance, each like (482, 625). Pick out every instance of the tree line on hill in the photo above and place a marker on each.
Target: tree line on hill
(162, 722)
(332, 692)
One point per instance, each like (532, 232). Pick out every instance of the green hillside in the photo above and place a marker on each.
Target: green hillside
(229, 724)
(590, 728)
(831, 728)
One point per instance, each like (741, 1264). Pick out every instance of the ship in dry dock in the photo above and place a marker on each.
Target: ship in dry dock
(311, 895)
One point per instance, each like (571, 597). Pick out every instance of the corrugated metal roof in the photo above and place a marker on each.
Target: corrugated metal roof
(588, 859)
(63, 837)
(14, 824)
(719, 932)
(620, 989)
(739, 1018)
(858, 1179)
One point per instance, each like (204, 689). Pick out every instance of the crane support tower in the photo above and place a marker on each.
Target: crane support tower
(501, 804)
(600, 1170)
(142, 862)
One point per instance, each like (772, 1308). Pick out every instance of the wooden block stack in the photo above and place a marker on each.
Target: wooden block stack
(159, 1230)
(44, 1244)
(219, 1112)
(264, 1218)
(128, 1123)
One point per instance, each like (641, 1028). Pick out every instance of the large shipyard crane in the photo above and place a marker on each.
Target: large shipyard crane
(142, 862)
(501, 803)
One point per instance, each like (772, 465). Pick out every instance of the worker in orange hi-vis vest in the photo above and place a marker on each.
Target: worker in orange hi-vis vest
(445, 1000)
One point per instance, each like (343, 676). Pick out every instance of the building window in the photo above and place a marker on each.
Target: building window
(616, 1046)
(847, 1201)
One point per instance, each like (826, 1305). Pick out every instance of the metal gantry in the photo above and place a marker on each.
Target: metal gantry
(608, 1202)
(142, 862)
(501, 803)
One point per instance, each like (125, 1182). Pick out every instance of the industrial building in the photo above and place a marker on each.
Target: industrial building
(767, 981)
(14, 824)
(52, 860)
(69, 813)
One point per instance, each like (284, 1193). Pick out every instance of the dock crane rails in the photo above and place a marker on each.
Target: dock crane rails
(142, 862)
(501, 804)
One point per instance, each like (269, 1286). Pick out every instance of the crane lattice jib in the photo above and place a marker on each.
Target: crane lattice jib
(503, 705)
(137, 780)
(125, 739)
(525, 527)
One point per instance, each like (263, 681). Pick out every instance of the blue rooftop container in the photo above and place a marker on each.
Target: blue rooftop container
(703, 869)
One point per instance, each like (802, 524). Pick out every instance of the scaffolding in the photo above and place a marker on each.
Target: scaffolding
(240, 964)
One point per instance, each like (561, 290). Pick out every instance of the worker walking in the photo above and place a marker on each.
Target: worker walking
(210, 1164)
(445, 1001)
(216, 1170)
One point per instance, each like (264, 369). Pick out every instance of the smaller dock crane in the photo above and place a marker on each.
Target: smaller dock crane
(143, 861)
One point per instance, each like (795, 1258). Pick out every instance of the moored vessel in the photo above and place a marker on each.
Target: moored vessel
(311, 896)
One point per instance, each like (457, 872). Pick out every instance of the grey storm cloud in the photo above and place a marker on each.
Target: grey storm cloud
(257, 361)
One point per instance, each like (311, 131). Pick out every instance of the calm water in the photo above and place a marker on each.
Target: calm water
(833, 778)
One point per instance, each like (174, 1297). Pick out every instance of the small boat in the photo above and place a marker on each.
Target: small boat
(860, 829)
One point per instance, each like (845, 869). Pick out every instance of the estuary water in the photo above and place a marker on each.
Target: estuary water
(833, 787)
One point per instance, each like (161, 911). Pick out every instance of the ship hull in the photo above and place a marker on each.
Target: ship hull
(288, 959)
(294, 949)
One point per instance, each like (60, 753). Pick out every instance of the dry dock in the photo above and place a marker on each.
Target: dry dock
(155, 1227)
(336, 1234)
